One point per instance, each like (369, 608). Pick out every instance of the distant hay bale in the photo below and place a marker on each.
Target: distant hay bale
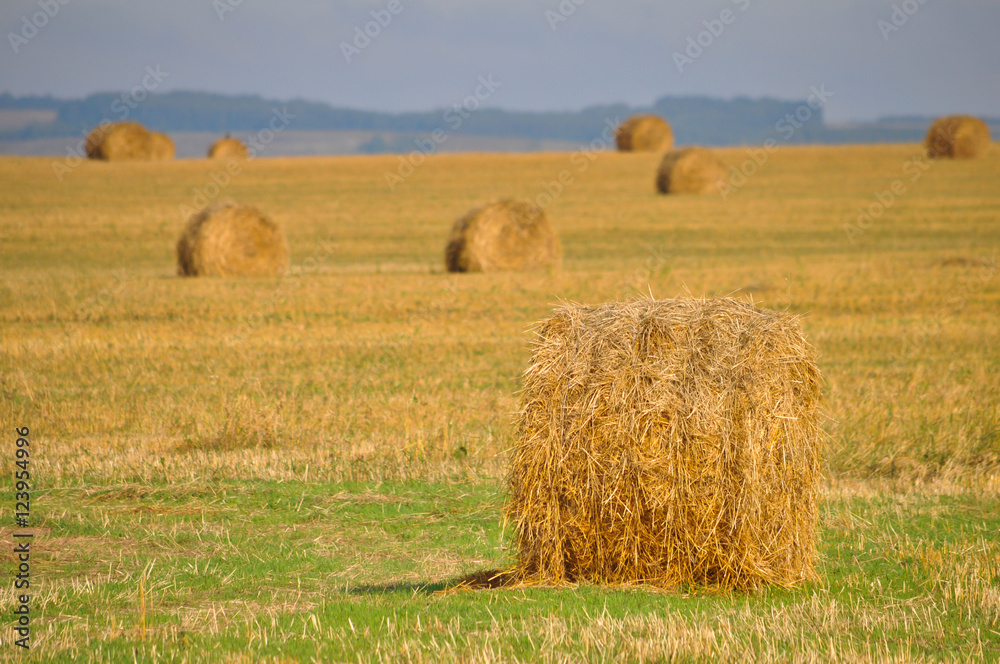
(644, 133)
(121, 141)
(228, 148)
(667, 442)
(229, 239)
(507, 235)
(161, 147)
(689, 171)
(957, 137)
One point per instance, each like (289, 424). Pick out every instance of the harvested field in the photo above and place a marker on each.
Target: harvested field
(301, 466)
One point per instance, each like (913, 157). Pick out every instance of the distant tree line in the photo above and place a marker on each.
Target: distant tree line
(695, 120)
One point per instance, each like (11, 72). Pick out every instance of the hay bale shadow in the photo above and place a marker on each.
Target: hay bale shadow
(408, 588)
(964, 261)
(486, 579)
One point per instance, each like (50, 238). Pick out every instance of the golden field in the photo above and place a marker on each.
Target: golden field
(369, 372)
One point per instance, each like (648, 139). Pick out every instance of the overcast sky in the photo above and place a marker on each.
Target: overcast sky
(943, 57)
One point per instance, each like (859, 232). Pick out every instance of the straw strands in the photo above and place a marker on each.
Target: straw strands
(667, 442)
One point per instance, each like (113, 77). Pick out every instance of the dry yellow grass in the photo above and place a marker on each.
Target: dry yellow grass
(101, 242)
(85, 265)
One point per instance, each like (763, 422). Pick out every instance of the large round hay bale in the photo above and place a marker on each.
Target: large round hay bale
(506, 235)
(228, 148)
(689, 171)
(644, 133)
(957, 137)
(668, 442)
(229, 239)
(161, 147)
(120, 141)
